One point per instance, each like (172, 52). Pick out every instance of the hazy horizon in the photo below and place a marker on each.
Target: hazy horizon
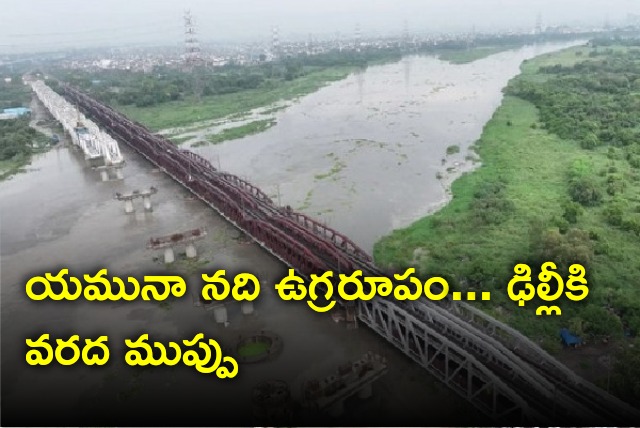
(47, 25)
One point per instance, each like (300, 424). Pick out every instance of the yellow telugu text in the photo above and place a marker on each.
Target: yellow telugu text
(201, 357)
(99, 287)
(355, 286)
(35, 357)
(206, 357)
(551, 288)
(245, 287)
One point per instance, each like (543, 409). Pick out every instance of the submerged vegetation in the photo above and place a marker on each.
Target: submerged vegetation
(559, 181)
(241, 131)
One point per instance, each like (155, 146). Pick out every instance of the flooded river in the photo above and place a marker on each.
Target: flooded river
(362, 154)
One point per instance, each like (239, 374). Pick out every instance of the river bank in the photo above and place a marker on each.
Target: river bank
(192, 112)
(521, 206)
(22, 140)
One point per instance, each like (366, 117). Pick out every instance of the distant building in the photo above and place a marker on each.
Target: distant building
(14, 113)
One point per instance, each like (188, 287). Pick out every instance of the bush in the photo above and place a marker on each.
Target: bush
(490, 204)
(599, 321)
(589, 142)
(564, 249)
(585, 191)
(631, 225)
(451, 150)
(614, 213)
(572, 211)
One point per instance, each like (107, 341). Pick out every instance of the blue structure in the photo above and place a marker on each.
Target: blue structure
(569, 339)
(15, 112)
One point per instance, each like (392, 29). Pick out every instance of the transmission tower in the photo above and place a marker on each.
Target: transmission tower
(192, 47)
(275, 41)
(192, 57)
(358, 41)
(538, 29)
(310, 44)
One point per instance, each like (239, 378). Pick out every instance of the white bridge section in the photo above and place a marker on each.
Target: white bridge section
(95, 143)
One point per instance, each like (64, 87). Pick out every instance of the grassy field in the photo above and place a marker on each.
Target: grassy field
(10, 167)
(533, 165)
(185, 112)
(241, 131)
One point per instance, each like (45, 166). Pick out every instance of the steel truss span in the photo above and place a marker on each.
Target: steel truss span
(497, 369)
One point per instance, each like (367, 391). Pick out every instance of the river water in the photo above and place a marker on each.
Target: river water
(361, 153)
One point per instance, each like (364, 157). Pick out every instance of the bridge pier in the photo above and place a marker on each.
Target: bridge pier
(169, 256)
(119, 173)
(191, 251)
(146, 200)
(130, 196)
(128, 206)
(104, 175)
(219, 313)
(246, 307)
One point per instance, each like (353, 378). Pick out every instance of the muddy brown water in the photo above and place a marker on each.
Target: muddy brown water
(363, 154)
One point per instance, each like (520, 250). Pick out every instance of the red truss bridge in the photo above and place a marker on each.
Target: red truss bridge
(495, 368)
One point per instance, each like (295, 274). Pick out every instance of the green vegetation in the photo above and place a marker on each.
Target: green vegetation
(464, 56)
(253, 349)
(169, 98)
(17, 142)
(189, 110)
(17, 139)
(14, 93)
(179, 140)
(565, 190)
(237, 132)
(335, 169)
(452, 150)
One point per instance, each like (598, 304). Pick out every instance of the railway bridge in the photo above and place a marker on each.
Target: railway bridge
(492, 366)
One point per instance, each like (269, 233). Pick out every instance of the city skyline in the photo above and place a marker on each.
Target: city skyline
(35, 26)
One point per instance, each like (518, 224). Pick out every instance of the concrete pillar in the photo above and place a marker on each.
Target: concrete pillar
(366, 391)
(128, 206)
(119, 174)
(246, 307)
(146, 200)
(220, 314)
(337, 409)
(104, 175)
(191, 251)
(168, 255)
(196, 300)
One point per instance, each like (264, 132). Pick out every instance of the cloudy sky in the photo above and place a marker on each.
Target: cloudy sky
(50, 24)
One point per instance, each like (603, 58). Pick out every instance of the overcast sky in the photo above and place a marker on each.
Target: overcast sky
(48, 24)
